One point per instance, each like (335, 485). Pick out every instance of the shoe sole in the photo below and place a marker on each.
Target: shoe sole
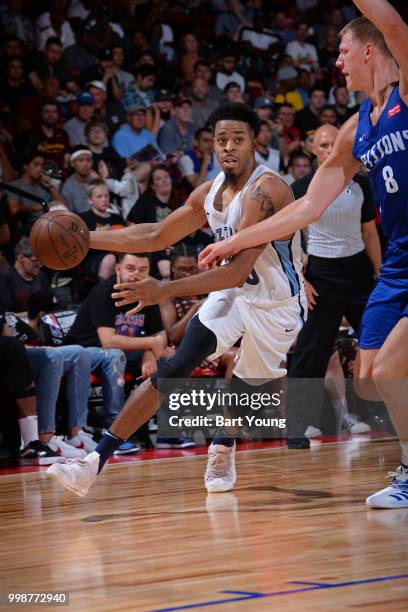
(61, 479)
(383, 506)
(220, 489)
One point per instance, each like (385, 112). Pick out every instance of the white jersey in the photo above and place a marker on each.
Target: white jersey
(276, 276)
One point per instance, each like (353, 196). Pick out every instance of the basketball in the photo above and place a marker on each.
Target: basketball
(60, 239)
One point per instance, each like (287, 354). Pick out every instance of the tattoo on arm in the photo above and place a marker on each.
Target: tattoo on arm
(264, 201)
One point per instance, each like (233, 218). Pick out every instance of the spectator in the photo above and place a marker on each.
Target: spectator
(97, 140)
(160, 111)
(328, 115)
(286, 92)
(109, 334)
(19, 282)
(4, 237)
(299, 166)
(309, 118)
(140, 92)
(199, 164)
(177, 134)
(23, 210)
(108, 112)
(74, 189)
(53, 23)
(303, 53)
(290, 135)
(100, 264)
(81, 55)
(48, 139)
(203, 105)
(158, 201)
(104, 72)
(124, 77)
(202, 70)
(75, 127)
(15, 86)
(233, 92)
(264, 152)
(227, 71)
(133, 136)
(189, 56)
(342, 99)
(15, 23)
(51, 64)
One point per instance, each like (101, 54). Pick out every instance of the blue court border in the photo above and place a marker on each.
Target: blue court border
(305, 586)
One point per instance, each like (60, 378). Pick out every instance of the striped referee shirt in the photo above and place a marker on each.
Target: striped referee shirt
(338, 231)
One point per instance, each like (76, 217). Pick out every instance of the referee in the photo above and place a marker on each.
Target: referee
(344, 257)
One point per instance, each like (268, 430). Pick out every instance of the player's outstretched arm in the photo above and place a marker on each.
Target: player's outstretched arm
(149, 237)
(395, 31)
(327, 184)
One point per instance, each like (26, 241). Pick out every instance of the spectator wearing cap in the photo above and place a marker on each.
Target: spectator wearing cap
(177, 134)
(309, 118)
(133, 135)
(141, 91)
(227, 72)
(75, 127)
(233, 92)
(160, 111)
(107, 111)
(264, 109)
(202, 105)
(103, 71)
(203, 70)
(74, 189)
(286, 88)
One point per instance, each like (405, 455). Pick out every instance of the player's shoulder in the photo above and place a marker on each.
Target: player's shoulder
(270, 182)
(200, 193)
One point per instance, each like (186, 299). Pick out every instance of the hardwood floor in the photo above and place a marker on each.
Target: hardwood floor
(294, 534)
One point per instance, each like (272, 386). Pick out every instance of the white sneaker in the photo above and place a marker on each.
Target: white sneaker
(57, 444)
(312, 432)
(394, 496)
(220, 474)
(76, 475)
(351, 424)
(82, 440)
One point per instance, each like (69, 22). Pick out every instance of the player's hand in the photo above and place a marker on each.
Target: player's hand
(311, 294)
(214, 254)
(146, 292)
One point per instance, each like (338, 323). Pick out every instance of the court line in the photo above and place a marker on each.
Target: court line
(309, 586)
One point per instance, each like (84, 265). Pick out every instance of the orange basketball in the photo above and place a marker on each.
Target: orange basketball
(60, 239)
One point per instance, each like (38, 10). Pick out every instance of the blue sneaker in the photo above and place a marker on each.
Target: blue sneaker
(127, 448)
(163, 443)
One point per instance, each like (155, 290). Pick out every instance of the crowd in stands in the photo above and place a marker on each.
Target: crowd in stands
(104, 111)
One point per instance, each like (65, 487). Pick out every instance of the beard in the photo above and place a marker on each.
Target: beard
(230, 178)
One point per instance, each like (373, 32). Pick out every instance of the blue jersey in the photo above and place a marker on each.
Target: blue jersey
(383, 149)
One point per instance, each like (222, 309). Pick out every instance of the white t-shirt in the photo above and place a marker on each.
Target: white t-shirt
(272, 161)
(302, 53)
(259, 40)
(186, 167)
(222, 79)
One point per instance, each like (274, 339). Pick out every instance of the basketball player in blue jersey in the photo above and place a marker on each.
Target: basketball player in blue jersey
(258, 297)
(374, 59)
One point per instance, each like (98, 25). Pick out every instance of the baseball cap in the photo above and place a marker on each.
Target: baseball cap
(97, 84)
(182, 100)
(263, 102)
(84, 98)
(286, 73)
(163, 94)
(135, 108)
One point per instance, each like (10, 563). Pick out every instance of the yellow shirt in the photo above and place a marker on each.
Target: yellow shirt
(293, 98)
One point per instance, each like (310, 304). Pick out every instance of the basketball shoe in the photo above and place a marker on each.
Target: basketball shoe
(82, 440)
(37, 453)
(59, 446)
(76, 475)
(220, 474)
(394, 496)
(350, 423)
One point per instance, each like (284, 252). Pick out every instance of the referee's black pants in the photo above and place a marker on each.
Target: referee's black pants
(344, 285)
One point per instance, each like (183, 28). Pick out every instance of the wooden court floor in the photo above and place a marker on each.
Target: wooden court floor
(295, 534)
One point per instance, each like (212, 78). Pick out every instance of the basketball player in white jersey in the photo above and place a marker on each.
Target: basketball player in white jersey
(258, 297)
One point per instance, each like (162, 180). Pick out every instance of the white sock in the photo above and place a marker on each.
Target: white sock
(404, 453)
(340, 407)
(28, 429)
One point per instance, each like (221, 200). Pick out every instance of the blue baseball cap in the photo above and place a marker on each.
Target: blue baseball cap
(84, 98)
(263, 102)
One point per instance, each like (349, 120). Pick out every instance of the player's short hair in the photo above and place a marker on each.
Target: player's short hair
(95, 184)
(365, 31)
(235, 111)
